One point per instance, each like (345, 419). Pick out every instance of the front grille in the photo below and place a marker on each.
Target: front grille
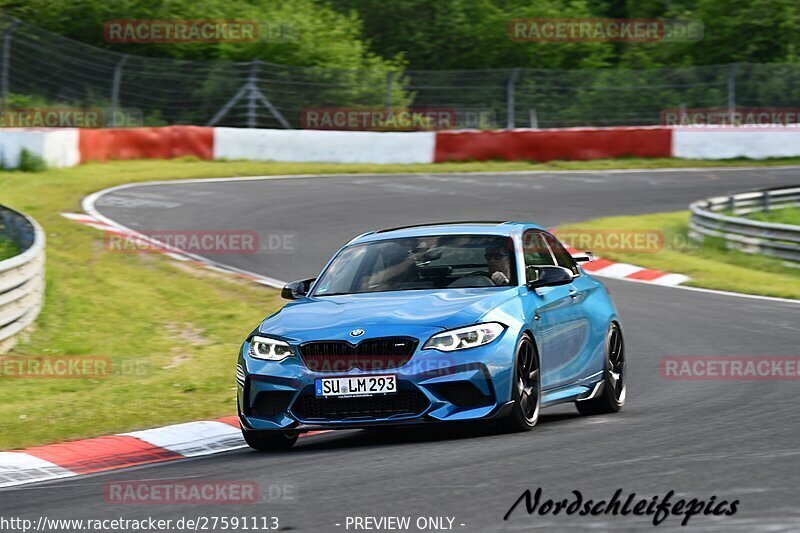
(405, 402)
(461, 394)
(271, 403)
(370, 354)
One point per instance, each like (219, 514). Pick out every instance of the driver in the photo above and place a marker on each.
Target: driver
(498, 260)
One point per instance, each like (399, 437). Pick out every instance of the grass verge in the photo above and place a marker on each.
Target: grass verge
(170, 331)
(788, 215)
(8, 248)
(710, 265)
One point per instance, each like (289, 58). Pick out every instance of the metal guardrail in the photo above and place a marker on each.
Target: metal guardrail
(750, 236)
(21, 276)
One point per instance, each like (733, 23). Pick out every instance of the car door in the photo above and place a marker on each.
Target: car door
(554, 313)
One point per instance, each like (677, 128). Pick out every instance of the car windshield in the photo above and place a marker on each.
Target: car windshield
(437, 262)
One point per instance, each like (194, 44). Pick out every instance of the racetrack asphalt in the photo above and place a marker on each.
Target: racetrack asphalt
(729, 439)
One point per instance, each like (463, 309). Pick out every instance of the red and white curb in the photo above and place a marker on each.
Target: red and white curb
(100, 454)
(169, 443)
(610, 269)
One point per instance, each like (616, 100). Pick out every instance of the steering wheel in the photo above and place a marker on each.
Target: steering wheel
(460, 282)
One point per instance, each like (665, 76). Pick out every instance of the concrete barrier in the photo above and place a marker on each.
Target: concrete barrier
(58, 148)
(324, 146)
(726, 143)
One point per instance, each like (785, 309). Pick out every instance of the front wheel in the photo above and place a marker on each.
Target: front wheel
(269, 441)
(612, 397)
(526, 388)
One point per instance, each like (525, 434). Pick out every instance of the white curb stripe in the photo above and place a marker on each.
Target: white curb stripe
(618, 270)
(193, 439)
(18, 468)
(671, 280)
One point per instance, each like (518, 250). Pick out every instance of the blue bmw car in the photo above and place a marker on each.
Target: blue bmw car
(438, 323)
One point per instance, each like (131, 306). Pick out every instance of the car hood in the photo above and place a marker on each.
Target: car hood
(415, 313)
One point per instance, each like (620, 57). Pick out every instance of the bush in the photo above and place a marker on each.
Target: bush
(30, 162)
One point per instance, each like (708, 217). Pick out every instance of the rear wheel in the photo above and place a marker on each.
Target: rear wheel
(526, 388)
(612, 397)
(265, 441)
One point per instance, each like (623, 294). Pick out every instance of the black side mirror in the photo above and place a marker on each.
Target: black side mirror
(297, 289)
(548, 276)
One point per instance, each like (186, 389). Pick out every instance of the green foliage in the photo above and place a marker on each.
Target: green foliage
(474, 33)
(30, 162)
(451, 34)
(8, 248)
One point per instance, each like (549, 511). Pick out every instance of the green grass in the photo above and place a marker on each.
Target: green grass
(171, 331)
(788, 215)
(710, 265)
(8, 248)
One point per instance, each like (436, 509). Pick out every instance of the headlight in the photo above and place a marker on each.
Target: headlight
(468, 337)
(269, 349)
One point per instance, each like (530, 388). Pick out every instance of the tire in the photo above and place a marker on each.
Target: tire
(612, 397)
(525, 393)
(270, 441)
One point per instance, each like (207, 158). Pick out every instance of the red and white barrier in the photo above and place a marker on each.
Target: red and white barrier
(69, 147)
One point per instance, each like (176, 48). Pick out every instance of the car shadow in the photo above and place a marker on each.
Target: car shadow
(419, 434)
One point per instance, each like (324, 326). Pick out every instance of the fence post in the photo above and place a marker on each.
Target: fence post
(389, 78)
(6, 66)
(534, 118)
(112, 119)
(732, 92)
(510, 105)
(252, 94)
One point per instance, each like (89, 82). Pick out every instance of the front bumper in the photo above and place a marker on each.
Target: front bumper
(433, 387)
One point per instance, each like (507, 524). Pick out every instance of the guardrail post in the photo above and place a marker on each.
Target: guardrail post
(766, 201)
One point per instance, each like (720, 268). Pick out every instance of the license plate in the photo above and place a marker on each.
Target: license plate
(356, 386)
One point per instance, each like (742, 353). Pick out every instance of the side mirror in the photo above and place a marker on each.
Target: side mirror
(583, 257)
(549, 276)
(297, 289)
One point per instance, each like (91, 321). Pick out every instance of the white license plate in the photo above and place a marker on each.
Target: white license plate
(356, 386)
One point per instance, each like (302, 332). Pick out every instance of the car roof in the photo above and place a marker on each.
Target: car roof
(506, 228)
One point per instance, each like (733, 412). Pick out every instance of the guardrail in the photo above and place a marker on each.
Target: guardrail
(21, 276)
(750, 236)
